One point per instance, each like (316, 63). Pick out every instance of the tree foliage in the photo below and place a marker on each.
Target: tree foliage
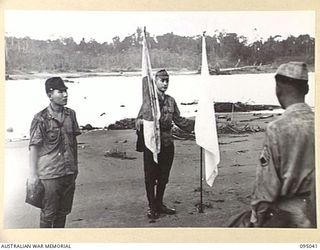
(169, 50)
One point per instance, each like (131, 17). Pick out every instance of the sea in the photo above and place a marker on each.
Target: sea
(102, 100)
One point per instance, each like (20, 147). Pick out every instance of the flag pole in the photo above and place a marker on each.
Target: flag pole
(201, 198)
(201, 168)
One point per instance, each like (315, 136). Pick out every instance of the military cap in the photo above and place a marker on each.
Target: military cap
(163, 74)
(295, 70)
(55, 83)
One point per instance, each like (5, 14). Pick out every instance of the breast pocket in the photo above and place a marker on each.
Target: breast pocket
(170, 114)
(168, 111)
(53, 135)
(166, 117)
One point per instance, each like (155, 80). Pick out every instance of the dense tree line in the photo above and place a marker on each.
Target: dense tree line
(168, 50)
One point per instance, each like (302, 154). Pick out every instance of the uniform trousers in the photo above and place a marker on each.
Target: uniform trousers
(157, 174)
(57, 201)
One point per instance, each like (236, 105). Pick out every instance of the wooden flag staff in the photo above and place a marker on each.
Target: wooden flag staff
(200, 209)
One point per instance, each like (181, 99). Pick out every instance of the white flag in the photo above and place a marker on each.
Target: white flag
(151, 109)
(205, 126)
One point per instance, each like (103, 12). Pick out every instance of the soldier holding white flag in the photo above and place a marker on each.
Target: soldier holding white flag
(157, 173)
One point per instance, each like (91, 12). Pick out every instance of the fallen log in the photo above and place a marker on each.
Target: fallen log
(257, 118)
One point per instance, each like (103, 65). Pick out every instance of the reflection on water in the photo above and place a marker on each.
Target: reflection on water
(100, 101)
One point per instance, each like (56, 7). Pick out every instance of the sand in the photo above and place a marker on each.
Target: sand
(110, 191)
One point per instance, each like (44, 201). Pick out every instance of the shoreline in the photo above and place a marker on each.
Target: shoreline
(260, 69)
(68, 76)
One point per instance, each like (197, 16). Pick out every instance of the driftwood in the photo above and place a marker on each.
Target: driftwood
(238, 68)
(257, 118)
(114, 153)
(233, 128)
(223, 143)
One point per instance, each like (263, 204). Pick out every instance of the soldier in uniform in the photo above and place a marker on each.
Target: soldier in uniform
(157, 174)
(53, 155)
(285, 178)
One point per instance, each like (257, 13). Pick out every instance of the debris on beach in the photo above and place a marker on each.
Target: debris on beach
(189, 103)
(242, 151)
(219, 200)
(223, 143)
(257, 118)
(123, 141)
(241, 107)
(224, 107)
(237, 165)
(237, 136)
(129, 123)
(67, 80)
(118, 154)
(222, 128)
(88, 127)
(234, 128)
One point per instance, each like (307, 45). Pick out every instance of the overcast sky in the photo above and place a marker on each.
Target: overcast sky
(103, 26)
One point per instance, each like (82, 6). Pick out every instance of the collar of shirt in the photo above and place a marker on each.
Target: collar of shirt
(162, 98)
(297, 107)
(52, 114)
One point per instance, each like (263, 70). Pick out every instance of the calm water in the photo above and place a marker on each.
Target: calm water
(100, 101)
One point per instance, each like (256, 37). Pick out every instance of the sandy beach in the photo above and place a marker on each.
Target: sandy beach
(110, 191)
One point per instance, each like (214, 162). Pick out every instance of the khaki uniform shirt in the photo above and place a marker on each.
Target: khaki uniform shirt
(56, 141)
(170, 114)
(287, 161)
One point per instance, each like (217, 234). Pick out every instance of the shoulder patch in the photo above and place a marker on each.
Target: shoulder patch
(265, 157)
